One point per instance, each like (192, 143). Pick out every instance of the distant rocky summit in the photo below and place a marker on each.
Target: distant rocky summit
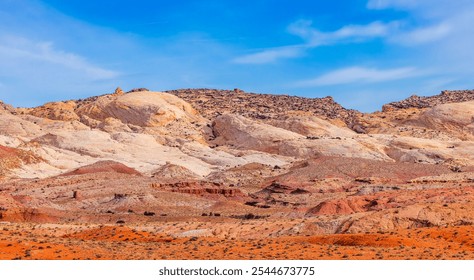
(213, 102)
(446, 96)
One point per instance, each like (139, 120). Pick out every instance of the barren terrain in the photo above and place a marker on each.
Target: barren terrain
(220, 174)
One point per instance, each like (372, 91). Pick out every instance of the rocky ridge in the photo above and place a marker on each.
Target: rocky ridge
(212, 103)
(446, 96)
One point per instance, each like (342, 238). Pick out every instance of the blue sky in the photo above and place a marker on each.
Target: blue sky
(364, 53)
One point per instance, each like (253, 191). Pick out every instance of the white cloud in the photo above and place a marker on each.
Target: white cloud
(360, 75)
(314, 38)
(384, 4)
(433, 22)
(426, 8)
(423, 35)
(374, 29)
(46, 55)
(447, 23)
(20, 51)
(36, 71)
(393, 32)
(271, 55)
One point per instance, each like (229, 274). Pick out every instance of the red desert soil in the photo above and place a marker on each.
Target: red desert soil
(29, 241)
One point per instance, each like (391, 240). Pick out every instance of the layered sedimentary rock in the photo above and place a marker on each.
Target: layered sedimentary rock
(302, 166)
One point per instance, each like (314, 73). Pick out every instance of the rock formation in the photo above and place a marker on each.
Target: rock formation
(203, 163)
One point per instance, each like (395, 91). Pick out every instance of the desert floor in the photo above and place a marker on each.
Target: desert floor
(60, 241)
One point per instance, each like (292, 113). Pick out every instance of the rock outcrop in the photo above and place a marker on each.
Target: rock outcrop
(175, 172)
(212, 103)
(446, 96)
(199, 188)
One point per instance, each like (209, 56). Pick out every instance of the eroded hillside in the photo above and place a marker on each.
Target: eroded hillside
(229, 166)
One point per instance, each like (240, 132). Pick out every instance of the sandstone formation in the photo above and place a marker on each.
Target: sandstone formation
(174, 172)
(103, 166)
(232, 169)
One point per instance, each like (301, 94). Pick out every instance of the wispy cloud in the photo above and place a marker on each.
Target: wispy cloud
(426, 7)
(46, 55)
(383, 4)
(437, 31)
(348, 33)
(271, 55)
(21, 50)
(38, 67)
(437, 25)
(359, 75)
(423, 35)
(313, 38)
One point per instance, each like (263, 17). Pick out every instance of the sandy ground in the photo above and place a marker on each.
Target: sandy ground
(55, 241)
